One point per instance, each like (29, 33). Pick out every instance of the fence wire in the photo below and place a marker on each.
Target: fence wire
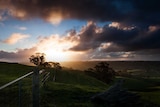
(18, 94)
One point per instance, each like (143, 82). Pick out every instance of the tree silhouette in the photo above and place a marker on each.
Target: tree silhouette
(102, 72)
(56, 67)
(38, 59)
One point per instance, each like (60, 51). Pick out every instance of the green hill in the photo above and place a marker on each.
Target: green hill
(72, 88)
(11, 71)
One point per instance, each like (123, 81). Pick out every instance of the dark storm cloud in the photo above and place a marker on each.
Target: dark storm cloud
(137, 26)
(138, 12)
(132, 40)
(87, 38)
(117, 38)
(81, 9)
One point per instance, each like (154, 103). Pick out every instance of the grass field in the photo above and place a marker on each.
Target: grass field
(71, 89)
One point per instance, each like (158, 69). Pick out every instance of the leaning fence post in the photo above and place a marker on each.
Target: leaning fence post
(35, 89)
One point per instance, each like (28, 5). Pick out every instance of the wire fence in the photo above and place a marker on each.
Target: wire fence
(23, 91)
(17, 94)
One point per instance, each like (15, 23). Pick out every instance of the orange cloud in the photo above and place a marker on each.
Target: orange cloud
(14, 38)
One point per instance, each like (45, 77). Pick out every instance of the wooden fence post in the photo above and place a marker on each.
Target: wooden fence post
(35, 89)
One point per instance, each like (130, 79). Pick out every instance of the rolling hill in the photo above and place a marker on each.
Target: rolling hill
(72, 87)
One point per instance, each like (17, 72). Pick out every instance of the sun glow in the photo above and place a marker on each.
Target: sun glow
(57, 48)
(56, 55)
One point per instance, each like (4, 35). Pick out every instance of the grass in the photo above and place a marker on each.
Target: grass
(71, 89)
(77, 78)
(68, 95)
(135, 84)
(153, 96)
(11, 71)
(148, 89)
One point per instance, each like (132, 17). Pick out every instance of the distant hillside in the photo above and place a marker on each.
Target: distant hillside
(117, 65)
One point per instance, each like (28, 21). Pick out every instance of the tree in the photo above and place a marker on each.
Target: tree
(38, 59)
(56, 67)
(102, 72)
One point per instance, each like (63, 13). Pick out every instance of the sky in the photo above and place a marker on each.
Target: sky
(80, 30)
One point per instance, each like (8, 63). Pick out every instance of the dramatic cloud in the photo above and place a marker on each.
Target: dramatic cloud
(55, 47)
(127, 11)
(21, 55)
(117, 41)
(14, 38)
(132, 31)
(114, 41)
(116, 37)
